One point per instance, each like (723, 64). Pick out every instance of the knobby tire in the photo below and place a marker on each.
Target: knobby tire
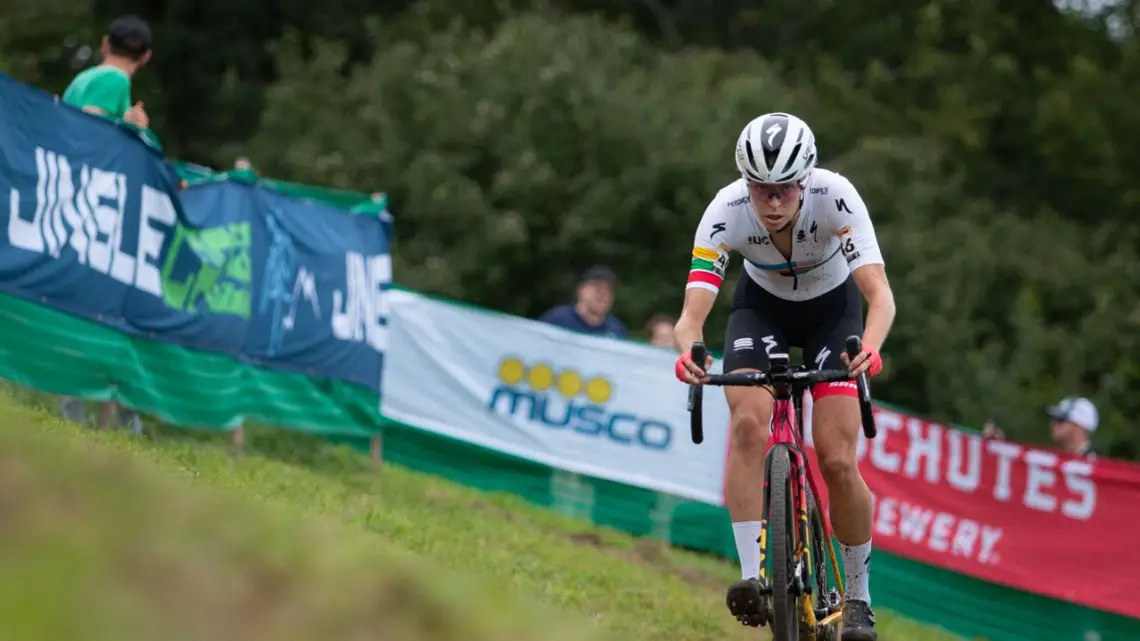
(785, 610)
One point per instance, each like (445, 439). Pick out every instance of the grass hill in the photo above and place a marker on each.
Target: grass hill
(104, 536)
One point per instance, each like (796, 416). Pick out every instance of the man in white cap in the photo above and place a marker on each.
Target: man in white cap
(1074, 421)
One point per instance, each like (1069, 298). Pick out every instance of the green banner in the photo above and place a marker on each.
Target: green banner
(62, 354)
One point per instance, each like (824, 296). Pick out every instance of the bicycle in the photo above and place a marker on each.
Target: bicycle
(798, 563)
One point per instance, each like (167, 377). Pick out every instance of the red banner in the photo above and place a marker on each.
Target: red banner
(1023, 516)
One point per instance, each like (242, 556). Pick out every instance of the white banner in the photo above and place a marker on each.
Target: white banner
(595, 406)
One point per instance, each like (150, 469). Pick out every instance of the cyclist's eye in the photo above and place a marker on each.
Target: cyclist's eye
(781, 189)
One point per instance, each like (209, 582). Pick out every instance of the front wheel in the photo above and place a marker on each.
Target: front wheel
(781, 523)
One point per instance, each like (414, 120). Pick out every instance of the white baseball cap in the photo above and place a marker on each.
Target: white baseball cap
(1078, 410)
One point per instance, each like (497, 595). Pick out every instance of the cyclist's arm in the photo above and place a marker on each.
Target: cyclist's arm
(706, 273)
(872, 282)
(861, 249)
(691, 326)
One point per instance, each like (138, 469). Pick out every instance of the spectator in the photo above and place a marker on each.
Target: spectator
(590, 313)
(992, 429)
(659, 330)
(1074, 420)
(105, 89)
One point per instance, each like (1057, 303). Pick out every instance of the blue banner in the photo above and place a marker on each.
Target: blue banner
(96, 225)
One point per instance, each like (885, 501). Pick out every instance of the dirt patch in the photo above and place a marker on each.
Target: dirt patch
(653, 553)
(592, 539)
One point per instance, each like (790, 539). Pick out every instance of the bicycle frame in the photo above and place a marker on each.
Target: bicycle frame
(787, 387)
(787, 434)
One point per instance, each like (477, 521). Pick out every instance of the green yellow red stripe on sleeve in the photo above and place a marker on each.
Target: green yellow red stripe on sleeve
(705, 253)
(704, 274)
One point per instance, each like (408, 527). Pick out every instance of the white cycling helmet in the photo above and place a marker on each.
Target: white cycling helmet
(776, 148)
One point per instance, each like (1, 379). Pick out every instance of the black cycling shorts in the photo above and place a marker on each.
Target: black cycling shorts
(762, 324)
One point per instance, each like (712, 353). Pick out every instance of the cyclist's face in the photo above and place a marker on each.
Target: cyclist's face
(775, 205)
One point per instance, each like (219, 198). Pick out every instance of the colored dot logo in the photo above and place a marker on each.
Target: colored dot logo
(512, 371)
(598, 390)
(569, 383)
(542, 377)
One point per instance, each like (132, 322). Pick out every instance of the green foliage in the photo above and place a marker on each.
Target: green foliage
(596, 157)
(512, 164)
(39, 40)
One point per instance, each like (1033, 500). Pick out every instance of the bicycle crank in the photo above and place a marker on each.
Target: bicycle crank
(818, 632)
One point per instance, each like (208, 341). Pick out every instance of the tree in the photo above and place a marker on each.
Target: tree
(512, 164)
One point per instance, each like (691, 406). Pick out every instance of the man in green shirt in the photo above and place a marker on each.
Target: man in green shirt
(105, 89)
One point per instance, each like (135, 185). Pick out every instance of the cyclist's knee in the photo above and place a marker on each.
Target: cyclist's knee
(838, 466)
(751, 415)
(835, 427)
(749, 431)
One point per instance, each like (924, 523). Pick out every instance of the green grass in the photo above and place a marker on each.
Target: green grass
(107, 536)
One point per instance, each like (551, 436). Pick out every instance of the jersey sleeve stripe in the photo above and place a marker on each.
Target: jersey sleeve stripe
(707, 254)
(704, 286)
(703, 265)
(711, 280)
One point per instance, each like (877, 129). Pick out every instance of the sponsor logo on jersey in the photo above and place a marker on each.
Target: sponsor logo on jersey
(841, 205)
(738, 202)
(717, 228)
(759, 240)
(801, 235)
(822, 191)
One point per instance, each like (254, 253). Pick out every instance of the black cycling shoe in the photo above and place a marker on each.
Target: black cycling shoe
(858, 622)
(746, 603)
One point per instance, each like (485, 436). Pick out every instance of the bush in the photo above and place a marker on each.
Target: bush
(513, 164)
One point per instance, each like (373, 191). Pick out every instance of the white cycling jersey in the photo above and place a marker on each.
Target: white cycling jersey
(833, 221)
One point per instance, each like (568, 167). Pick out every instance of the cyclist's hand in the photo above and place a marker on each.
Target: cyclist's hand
(867, 361)
(688, 371)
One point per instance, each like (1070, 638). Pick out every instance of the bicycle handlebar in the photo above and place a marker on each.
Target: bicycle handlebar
(797, 378)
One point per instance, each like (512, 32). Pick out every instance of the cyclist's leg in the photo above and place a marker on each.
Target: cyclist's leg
(747, 340)
(750, 410)
(835, 431)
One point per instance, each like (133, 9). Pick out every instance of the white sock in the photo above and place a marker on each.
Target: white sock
(747, 535)
(857, 571)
